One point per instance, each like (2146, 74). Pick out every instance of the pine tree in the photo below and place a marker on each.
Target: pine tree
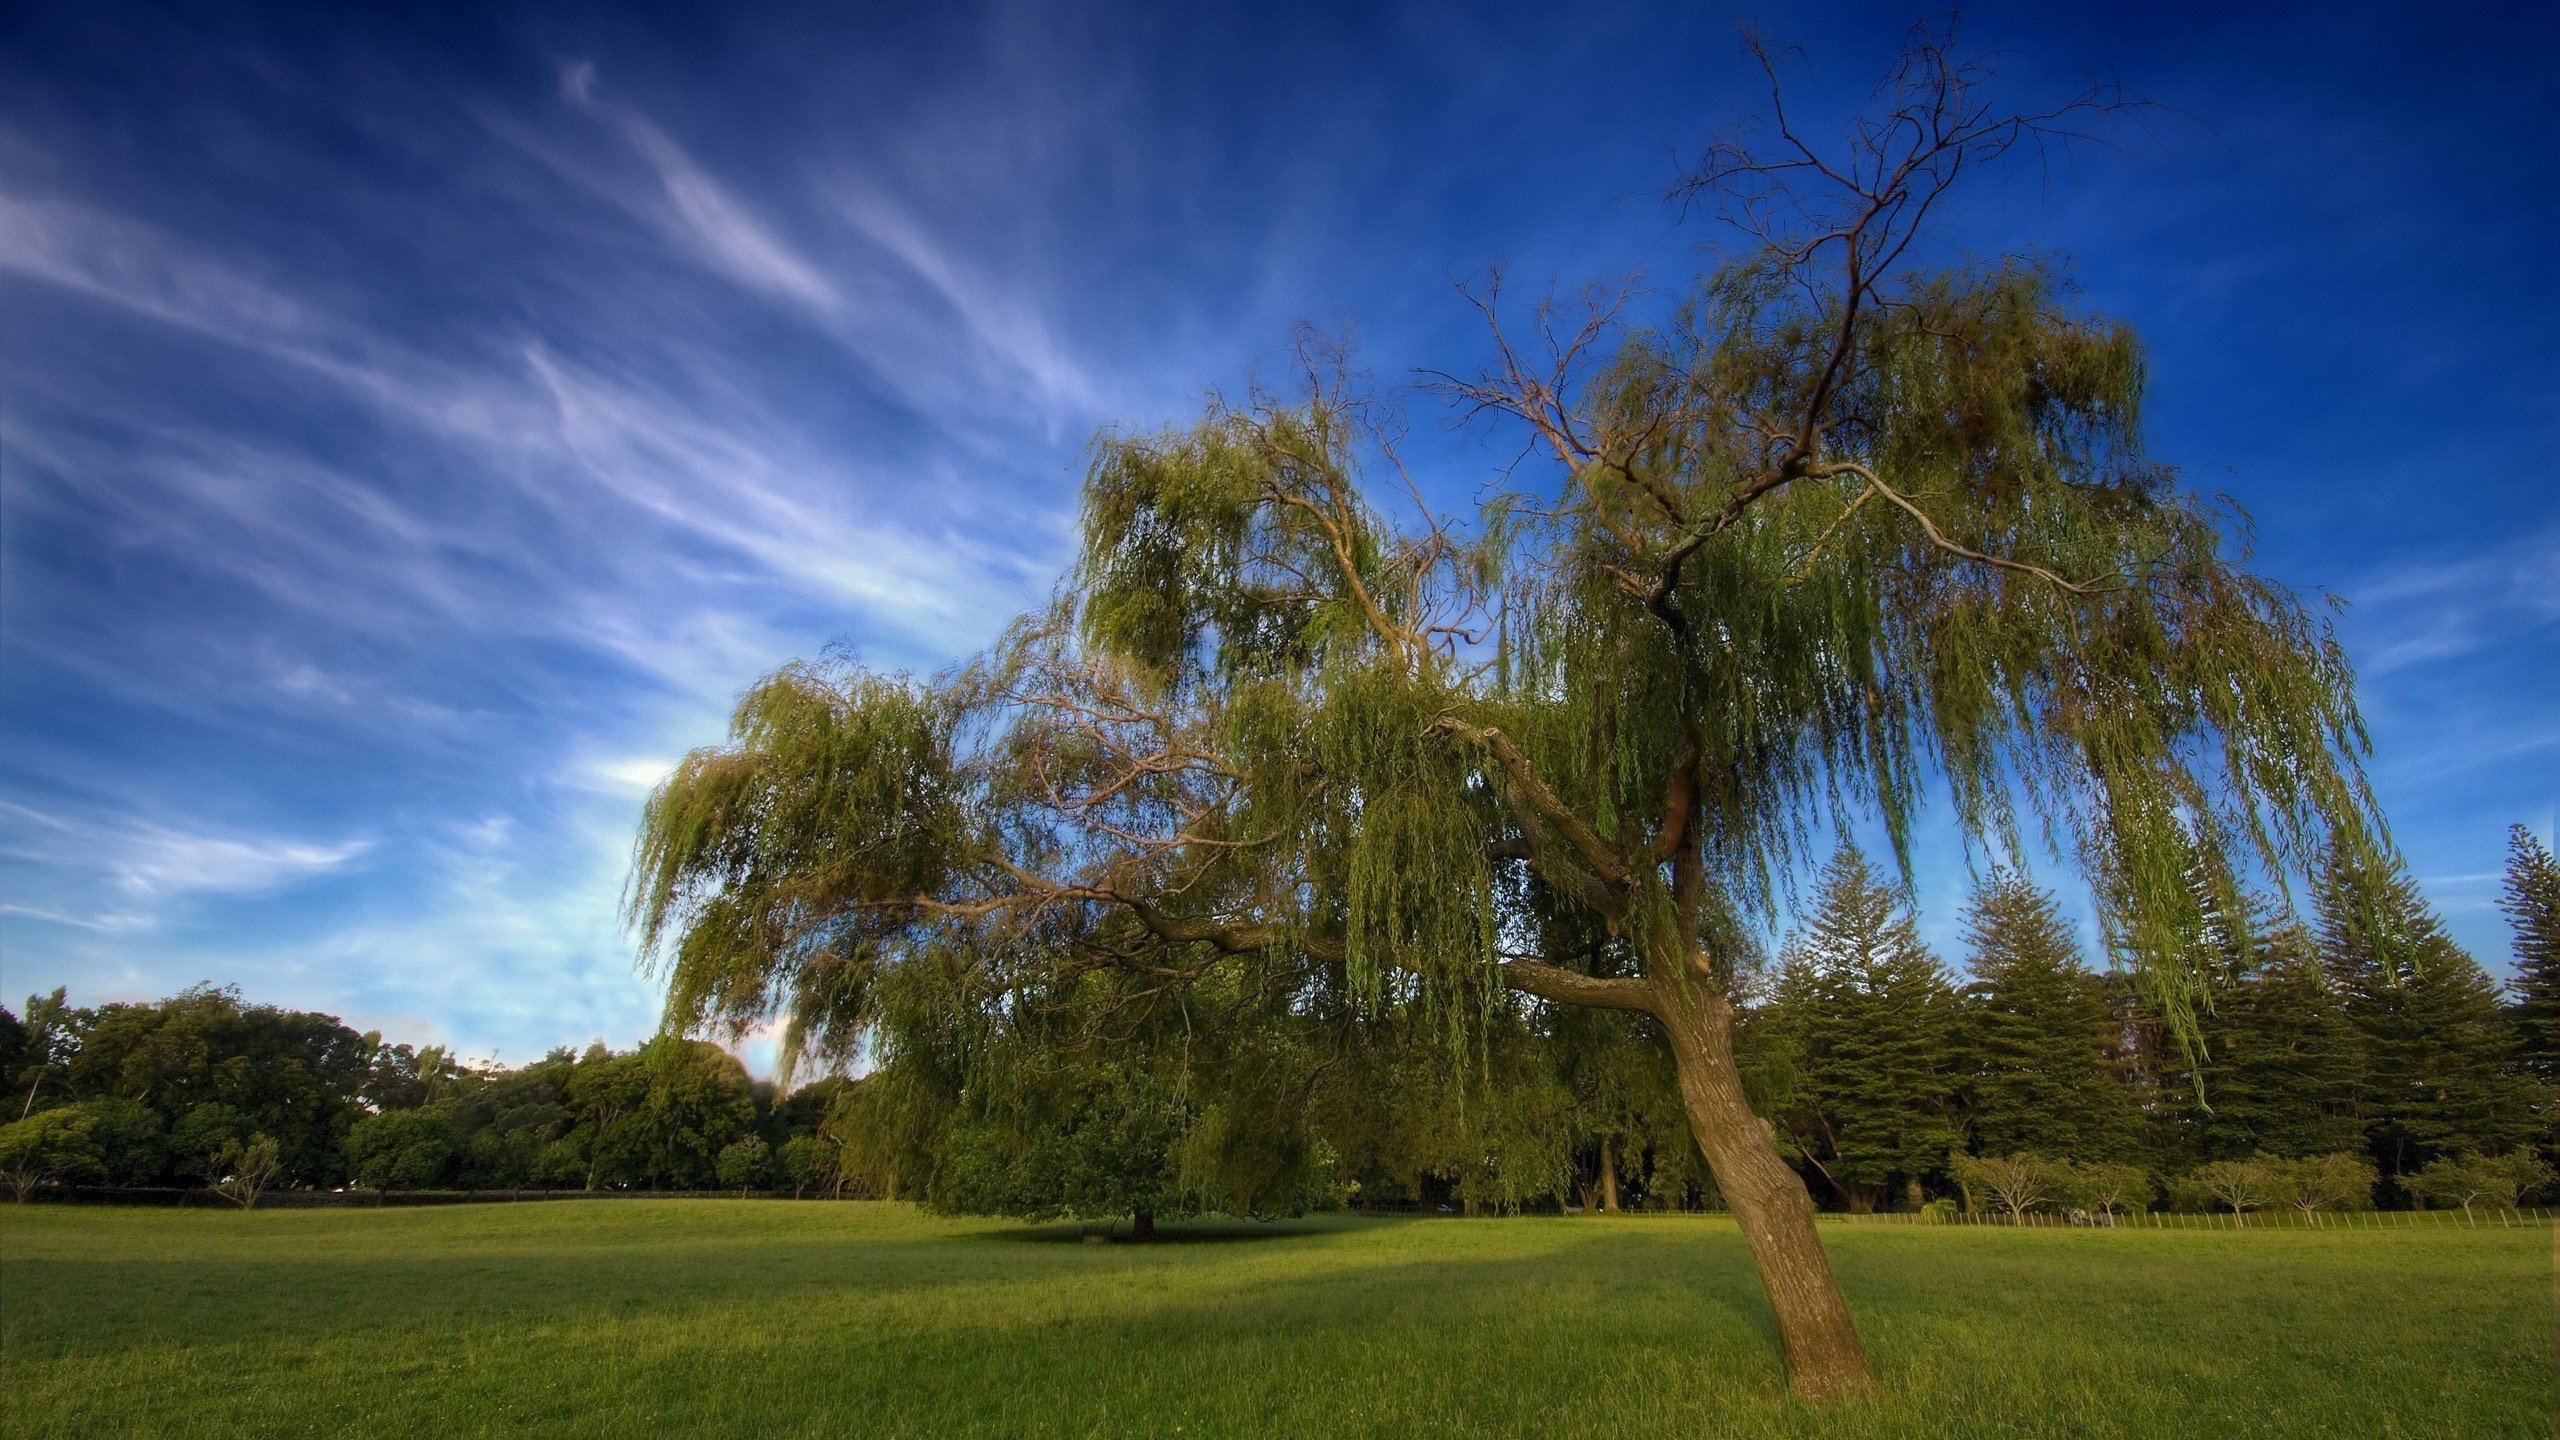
(2532, 903)
(2035, 1035)
(2437, 1046)
(2283, 1064)
(1861, 1020)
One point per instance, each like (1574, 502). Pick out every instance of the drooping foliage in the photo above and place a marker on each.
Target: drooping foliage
(1840, 529)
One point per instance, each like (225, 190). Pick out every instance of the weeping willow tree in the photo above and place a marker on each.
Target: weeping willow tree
(1843, 532)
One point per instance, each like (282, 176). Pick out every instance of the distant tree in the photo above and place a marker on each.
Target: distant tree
(805, 1163)
(13, 1051)
(605, 1093)
(133, 1145)
(2312, 1183)
(2238, 1185)
(248, 1168)
(2283, 1066)
(2437, 1048)
(2474, 1179)
(561, 1164)
(2036, 1033)
(2104, 1188)
(402, 1149)
(44, 1038)
(205, 1138)
(696, 1101)
(506, 1118)
(1860, 1018)
(2020, 1183)
(743, 1164)
(46, 1148)
(2531, 901)
(298, 1077)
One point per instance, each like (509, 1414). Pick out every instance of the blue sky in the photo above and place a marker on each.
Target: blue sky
(416, 425)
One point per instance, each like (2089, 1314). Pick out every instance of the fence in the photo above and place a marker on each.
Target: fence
(2479, 1217)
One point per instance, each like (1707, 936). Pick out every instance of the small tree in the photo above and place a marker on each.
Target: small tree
(2242, 1185)
(44, 1148)
(743, 1164)
(2104, 1189)
(2315, 1183)
(2475, 1179)
(806, 1163)
(205, 1138)
(2019, 1182)
(249, 1168)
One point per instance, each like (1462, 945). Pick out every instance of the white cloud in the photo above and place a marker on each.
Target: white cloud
(697, 213)
(147, 860)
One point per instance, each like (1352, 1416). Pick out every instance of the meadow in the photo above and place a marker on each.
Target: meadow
(773, 1318)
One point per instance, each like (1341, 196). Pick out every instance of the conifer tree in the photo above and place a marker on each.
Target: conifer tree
(2035, 1032)
(2283, 1065)
(2438, 1050)
(2532, 904)
(1864, 1015)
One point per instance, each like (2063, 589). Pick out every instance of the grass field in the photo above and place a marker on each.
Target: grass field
(692, 1317)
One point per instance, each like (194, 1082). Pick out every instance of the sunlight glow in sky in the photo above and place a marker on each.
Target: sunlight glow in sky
(415, 431)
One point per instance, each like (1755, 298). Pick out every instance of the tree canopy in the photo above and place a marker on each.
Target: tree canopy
(1843, 528)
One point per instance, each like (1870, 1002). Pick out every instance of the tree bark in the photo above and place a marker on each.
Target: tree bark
(1608, 1173)
(1824, 1357)
(1142, 1225)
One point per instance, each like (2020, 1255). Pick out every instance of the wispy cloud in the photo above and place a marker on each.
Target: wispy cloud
(148, 861)
(2442, 608)
(697, 212)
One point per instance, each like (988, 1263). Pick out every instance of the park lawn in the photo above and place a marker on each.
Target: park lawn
(774, 1318)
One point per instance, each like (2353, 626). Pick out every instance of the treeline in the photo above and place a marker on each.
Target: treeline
(202, 1089)
(2359, 1059)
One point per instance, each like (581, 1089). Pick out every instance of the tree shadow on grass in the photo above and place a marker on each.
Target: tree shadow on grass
(1175, 1291)
(1211, 1230)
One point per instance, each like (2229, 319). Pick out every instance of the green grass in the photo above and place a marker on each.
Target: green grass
(681, 1317)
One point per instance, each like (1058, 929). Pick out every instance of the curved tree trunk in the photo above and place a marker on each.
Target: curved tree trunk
(1824, 1357)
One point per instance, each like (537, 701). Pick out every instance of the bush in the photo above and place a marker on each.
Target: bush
(47, 1147)
(2475, 1179)
(1940, 1211)
(2343, 1181)
(2237, 1185)
(2020, 1183)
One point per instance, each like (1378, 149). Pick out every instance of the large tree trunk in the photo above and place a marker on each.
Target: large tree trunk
(1824, 1357)
(1142, 1225)
(1608, 1173)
